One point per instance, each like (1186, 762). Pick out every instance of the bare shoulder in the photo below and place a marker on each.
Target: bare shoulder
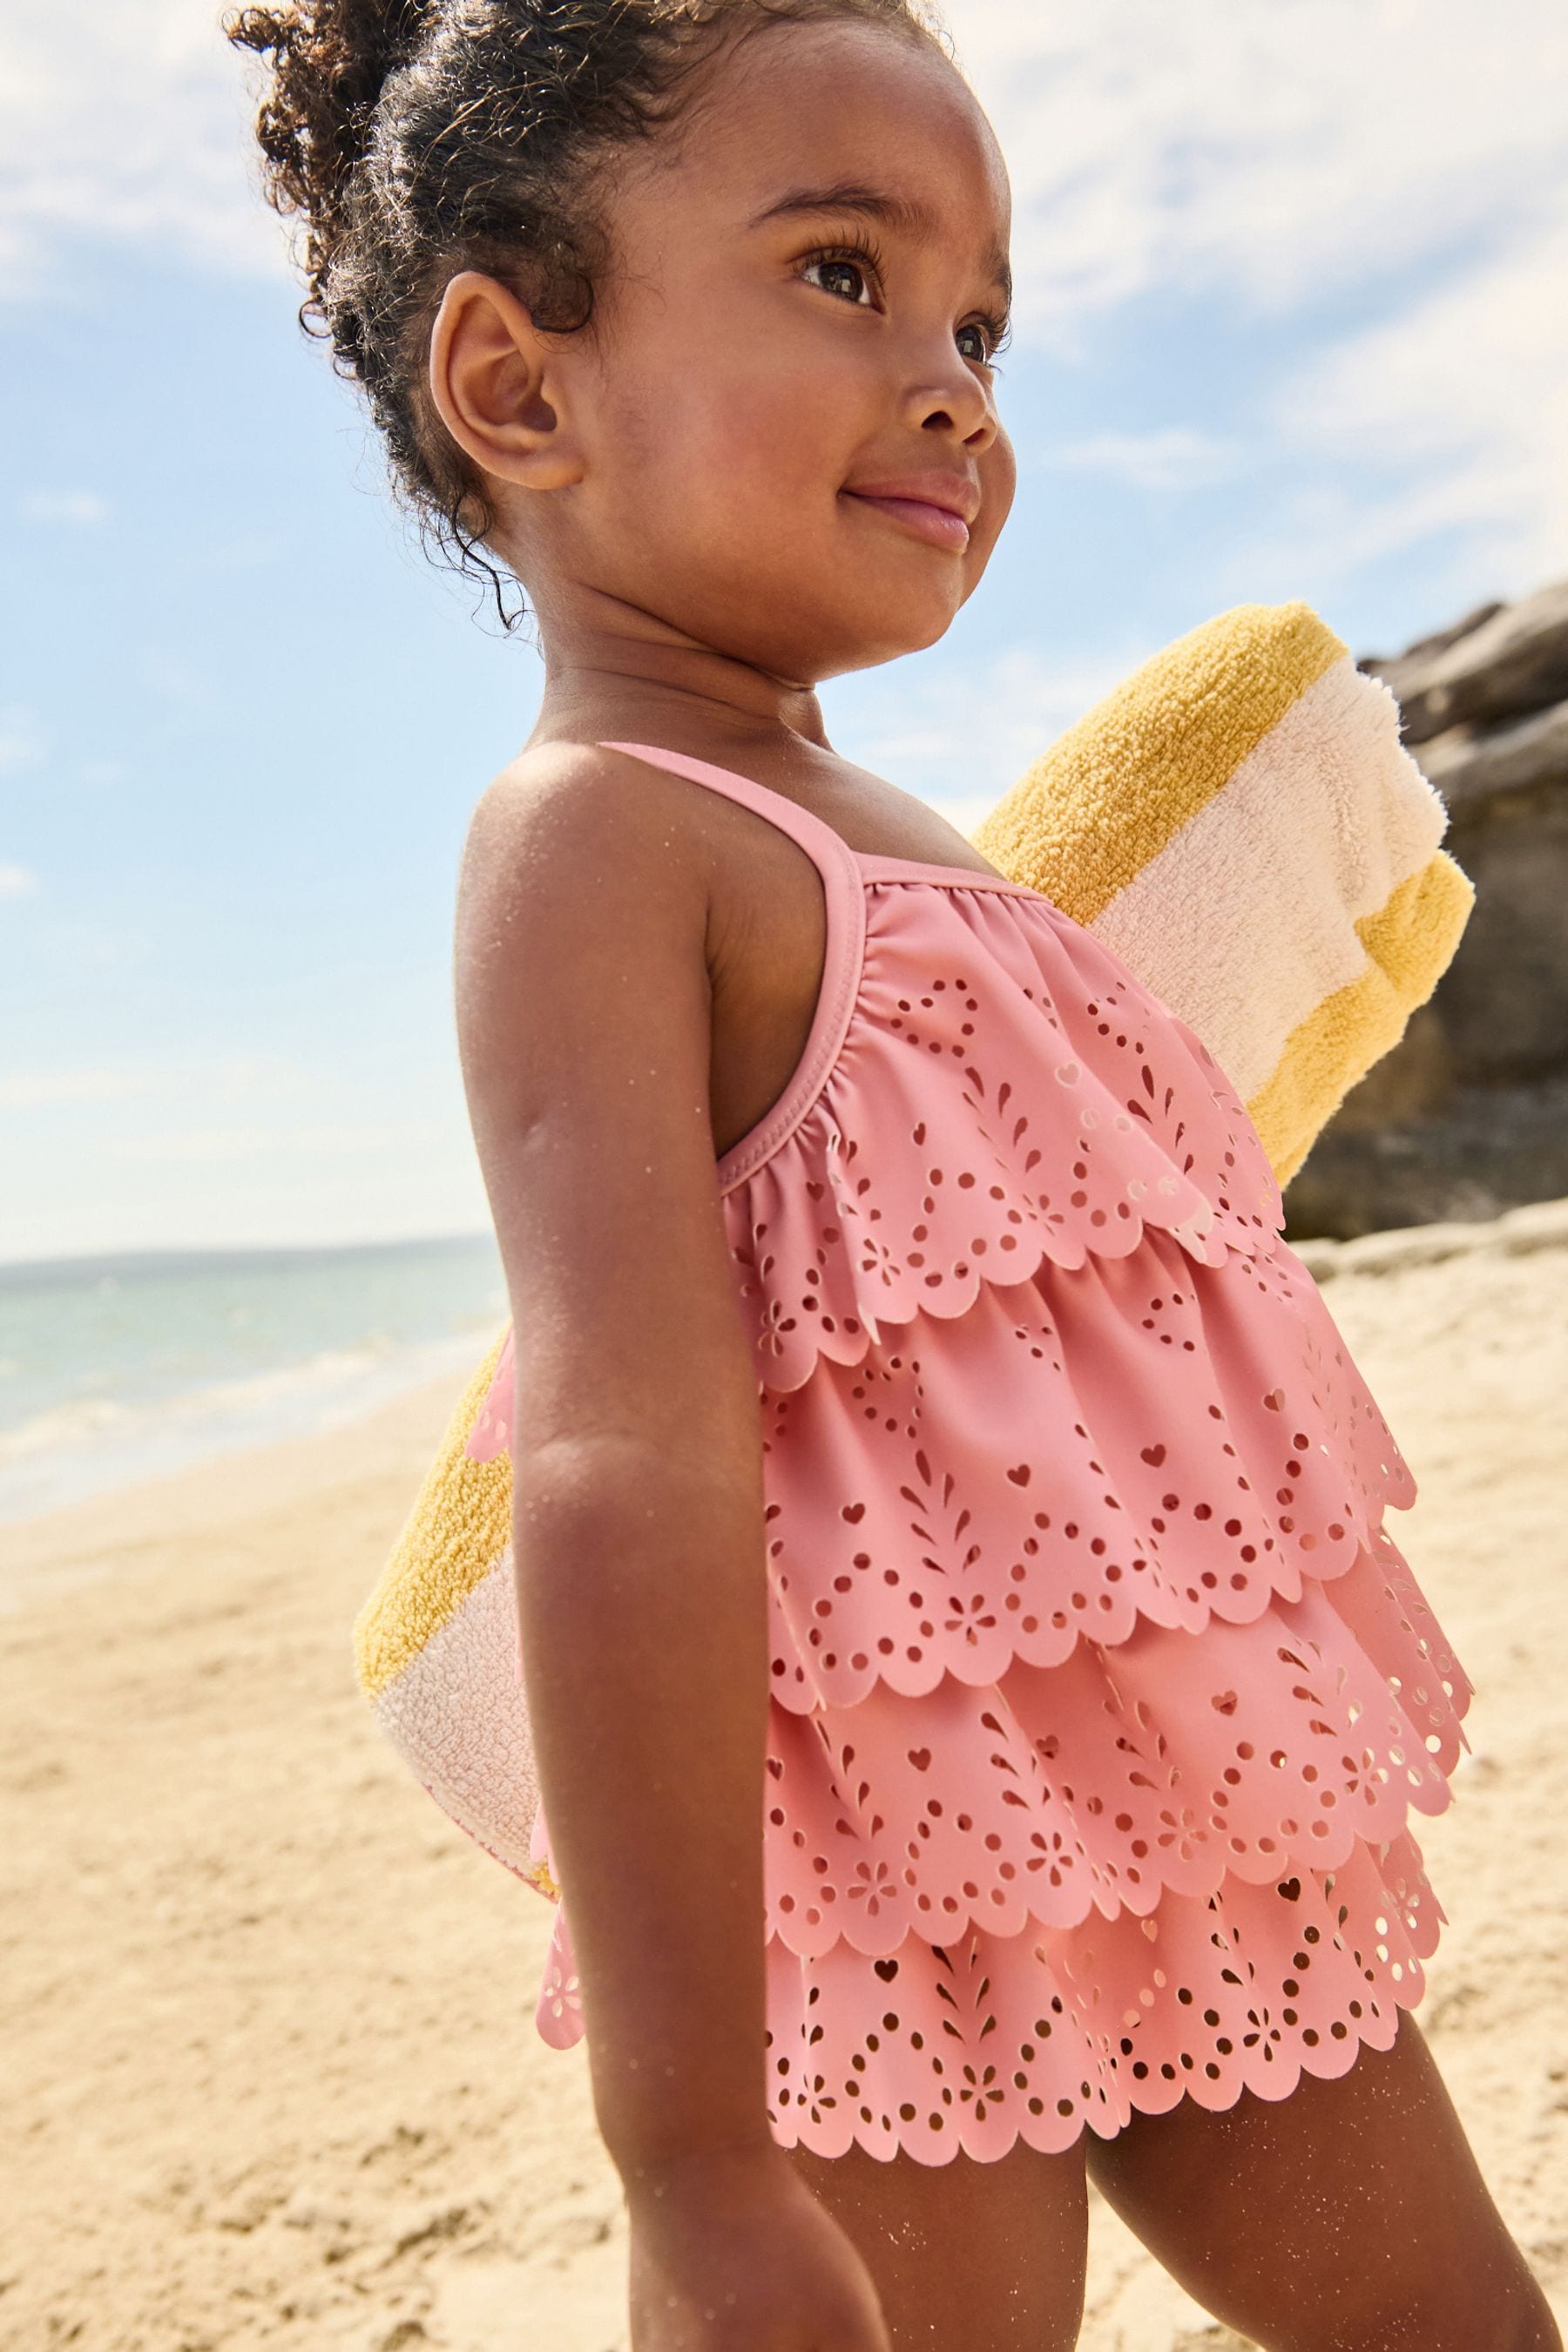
(566, 814)
(578, 885)
(584, 1020)
(573, 868)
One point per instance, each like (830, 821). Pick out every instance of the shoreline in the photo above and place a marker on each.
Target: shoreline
(118, 1369)
(397, 1434)
(176, 1432)
(273, 2075)
(1516, 1233)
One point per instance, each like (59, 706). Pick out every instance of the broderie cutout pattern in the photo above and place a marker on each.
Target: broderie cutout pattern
(1166, 1762)
(970, 2046)
(1101, 1696)
(930, 1165)
(956, 1540)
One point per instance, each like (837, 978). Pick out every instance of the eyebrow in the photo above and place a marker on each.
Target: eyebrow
(894, 212)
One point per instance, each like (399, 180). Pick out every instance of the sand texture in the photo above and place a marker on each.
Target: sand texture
(271, 2072)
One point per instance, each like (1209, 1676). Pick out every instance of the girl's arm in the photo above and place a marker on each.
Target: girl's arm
(584, 1019)
(584, 1010)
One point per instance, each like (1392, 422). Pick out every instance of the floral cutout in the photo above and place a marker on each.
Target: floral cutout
(1101, 1695)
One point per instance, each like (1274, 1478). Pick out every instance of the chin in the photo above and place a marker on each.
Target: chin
(893, 627)
(919, 632)
(934, 630)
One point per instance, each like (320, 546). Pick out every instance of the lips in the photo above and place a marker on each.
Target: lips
(935, 507)
(954, 493)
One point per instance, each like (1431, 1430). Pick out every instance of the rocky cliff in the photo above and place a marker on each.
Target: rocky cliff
(1468, 1115)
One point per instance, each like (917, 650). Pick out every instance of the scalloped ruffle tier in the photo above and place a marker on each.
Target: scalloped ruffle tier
(971, 2046)
(906, 1167)
(1139, 1437)
(1163, 1791)
(1101, 1698)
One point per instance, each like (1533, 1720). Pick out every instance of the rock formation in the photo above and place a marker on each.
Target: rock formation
(1468, 1115)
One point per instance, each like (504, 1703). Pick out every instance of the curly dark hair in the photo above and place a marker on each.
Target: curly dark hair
(417, 138)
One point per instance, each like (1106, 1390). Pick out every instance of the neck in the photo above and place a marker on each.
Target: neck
(626, 676)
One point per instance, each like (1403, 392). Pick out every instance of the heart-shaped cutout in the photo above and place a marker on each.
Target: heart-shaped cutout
(921, 1759)
(1224, 1703)
(775, 1766)
(1274, 1399)
(886, 1969)
(1154, 1456)
(853, 1513)
(1290, 1888)
(1020, 1477)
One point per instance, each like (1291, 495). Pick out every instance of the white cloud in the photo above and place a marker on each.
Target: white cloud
(962, 736)
(17, 882)
(81, 946)
(249, 551)
(1284, 161)
(214, 1145)
(1274, 153)
(22, 737)
(233, 1079)
(54, 1090)
(1461, 403)
(1173, 457)
(127, 124)
(177, 680)
(79, 508)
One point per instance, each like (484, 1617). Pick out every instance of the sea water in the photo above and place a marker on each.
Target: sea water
(118, 1369)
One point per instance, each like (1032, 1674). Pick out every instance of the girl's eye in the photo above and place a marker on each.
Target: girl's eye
(849, 279)
(987, 337)
(846, 278)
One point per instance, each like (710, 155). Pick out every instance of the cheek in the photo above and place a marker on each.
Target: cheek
(999, 475)
(999, 481)
(736, 422)
(778, 434)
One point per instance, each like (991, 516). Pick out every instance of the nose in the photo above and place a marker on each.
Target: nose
(958, 405)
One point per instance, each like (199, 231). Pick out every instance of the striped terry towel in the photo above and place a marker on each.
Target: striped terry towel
(1239, 823)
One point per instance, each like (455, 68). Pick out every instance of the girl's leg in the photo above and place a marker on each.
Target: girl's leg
(1347, 2217)
(967, 2257)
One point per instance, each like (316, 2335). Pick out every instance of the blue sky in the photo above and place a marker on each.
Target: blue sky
(1292, 323)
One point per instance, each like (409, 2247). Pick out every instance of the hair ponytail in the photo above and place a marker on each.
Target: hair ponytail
(330, 60)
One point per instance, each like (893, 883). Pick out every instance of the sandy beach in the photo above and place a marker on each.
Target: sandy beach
(271, 2075)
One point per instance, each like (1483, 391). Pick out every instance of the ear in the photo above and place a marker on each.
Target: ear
(499, 387)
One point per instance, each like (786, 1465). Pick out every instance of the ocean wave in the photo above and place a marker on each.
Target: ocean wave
(96, 1443)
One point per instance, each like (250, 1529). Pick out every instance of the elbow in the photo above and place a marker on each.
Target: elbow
(634, 1489)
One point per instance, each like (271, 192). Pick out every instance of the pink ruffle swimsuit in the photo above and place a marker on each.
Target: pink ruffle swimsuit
(1101, 1695)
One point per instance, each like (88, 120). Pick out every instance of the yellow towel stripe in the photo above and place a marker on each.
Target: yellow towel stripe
(457, 1529)
(1410, 942)
(1110, 792)
(1084, 823)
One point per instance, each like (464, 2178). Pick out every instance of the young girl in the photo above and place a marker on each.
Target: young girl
(926, 1451)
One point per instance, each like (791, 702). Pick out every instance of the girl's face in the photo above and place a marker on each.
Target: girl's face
(785, 413)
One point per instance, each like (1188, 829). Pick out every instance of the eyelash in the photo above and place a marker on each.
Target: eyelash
(866, 253)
